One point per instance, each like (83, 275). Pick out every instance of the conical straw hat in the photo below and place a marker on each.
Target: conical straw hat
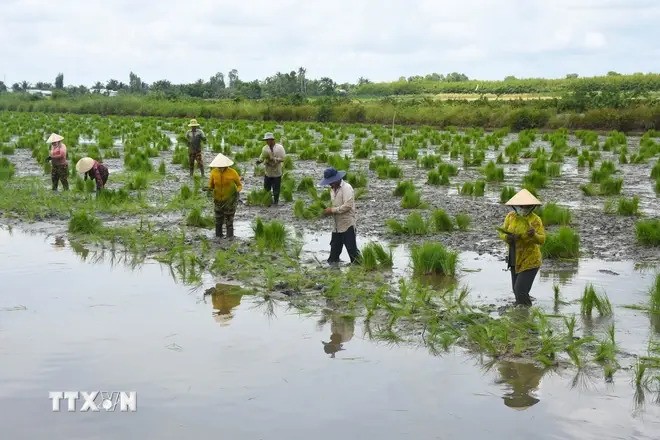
(193, 123)
(54, 138)
(85, 164)
(221, 161)
(523, 198)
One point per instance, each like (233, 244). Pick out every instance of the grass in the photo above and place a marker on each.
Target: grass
(82, 222)
(433, 258)
(374, 256)
(648, 232)
(590, 300)
(414, 225)
(270, 235)
(565, 243)
(553, 214)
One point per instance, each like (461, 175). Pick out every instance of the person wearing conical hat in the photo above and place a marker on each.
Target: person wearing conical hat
(522, 378)
(94, 169)
(195, 137)
(226, 185)
(60, 167)
(524, 233)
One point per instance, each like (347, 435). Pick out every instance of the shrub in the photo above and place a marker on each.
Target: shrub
(433, 258)
(565, 243)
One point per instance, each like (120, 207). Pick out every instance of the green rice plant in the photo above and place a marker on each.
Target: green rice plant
(339, 163)
(403, 187)
(162, 170)
(565, 243)
(479, 188)
(428, 161)
(139, 181)
(554, 170)
(373, 256)
(288, 163)
(82, 222)
(589, 190)
(305, 183)
(185, 192)
(463, 221)
(259, 197)
(648, 232)
(197, 219)
(535, 179)
(7, 169)
(433, 258)
(467, 189)
(441, 221)
(414, 225)
(412, 200)
(314, 210)
(506, 193)
(624, 206)
(553, 214)
(407, 152)
(437, 178)
(270, 235)
(8, 150)
(493, 173)
(138, 162)
(591, 299)
(378, 162)
(287, 188)
(655, 171)
(607, 168)
(655, 296)
(357, 180)
(610, 186)
(390, 171)
(447, 168)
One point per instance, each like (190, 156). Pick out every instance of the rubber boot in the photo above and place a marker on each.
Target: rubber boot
(230, 231)
(218, 230)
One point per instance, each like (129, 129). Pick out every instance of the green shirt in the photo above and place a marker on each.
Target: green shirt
(195, 140)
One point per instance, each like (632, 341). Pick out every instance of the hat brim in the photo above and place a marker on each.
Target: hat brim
(85, 164)
(523, 198)
(193, 125)
(340, 175)
(221, 161)
(54, 138)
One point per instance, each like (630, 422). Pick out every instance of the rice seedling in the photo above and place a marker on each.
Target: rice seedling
(185, 193)
(447, 168)
(463, 221)
(655, 296)
(535, 179)
(197, 219)
(565, 243)
(591, 299)
(610, 186)
(357, 180)
(339, 163)
(476, 189)
(655, 171)
(270, 235)
(441, 221)
(428, 161)
(162, 170)
(8, 150)
(314, 210)
(7, 169)
(554, 170)
(506, 193)
(389, 171)
(140, 181)
(374, 256)
(412, 200)
(493, 173)
(403, 187)
(607, 168)
(433, 258)
(259, 197)
(288, 163)
(648, 232)
(553, 214)
(414, 225)
(467, 189)
(305, 183)
(82, 222)
(589, 190)
(287, 188)
(623, 206)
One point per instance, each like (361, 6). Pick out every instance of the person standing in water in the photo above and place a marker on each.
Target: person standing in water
(272, 155)
(524, 233)
(195, 138)
(60, 166)
(226, 185)
(94, 170)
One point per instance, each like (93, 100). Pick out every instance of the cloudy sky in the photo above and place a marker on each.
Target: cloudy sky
(382, 40)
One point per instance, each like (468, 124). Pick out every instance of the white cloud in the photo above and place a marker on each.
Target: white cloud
(344, 39)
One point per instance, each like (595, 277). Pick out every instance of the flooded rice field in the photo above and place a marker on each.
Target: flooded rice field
(234, 363)
(244, 339)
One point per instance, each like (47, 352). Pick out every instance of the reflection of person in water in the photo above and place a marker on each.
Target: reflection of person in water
(342, 329)
(523, 379)
(224, 297)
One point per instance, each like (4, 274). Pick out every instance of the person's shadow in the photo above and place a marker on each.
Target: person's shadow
(342, 328)
(523, 379)
(224, 297)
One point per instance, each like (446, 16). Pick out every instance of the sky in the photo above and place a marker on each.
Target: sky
(183, 41)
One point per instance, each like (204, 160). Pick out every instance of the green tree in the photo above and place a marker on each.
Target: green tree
(59, 81)
(3, 87)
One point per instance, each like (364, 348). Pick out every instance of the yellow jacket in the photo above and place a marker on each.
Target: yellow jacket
(528, 249)
(224, 183)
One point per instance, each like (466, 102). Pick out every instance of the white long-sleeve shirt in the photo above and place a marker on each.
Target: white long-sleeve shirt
(343, 206)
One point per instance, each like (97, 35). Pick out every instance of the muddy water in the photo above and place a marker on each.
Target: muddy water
(260, 372)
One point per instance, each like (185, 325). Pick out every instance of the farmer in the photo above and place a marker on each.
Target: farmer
(60, 166)
(523, 231)
(273, 156)
(195, 137)
(225, 184)
(94, 170)
(343, 212)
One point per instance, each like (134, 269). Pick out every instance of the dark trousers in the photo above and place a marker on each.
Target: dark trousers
(224, 214)
(521, 283)
(195, 156)
(60, 173)
(273, 183)
(341, 239)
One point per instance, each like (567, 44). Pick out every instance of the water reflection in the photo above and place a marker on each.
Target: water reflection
(342, 329)
(59, 243)
(224, 297)
(522, 381)
(562, 275)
